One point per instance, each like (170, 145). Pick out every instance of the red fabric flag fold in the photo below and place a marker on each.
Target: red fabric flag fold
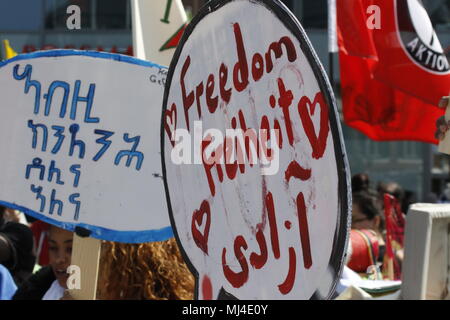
(393, 76)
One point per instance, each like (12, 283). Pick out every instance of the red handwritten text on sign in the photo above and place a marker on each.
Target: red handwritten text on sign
(242, 222)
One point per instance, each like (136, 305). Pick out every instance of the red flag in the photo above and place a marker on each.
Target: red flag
(393, 71)
(395, 230)
(40, 230)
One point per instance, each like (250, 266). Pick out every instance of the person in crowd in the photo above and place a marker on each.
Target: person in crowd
(431, 197)
(50, 282)
(16, 246)
(7, 285)
(392, 188)
(153, 270)
(366, 213)
(409, 198)
(367, 224)
(442, 126)
(360, 182)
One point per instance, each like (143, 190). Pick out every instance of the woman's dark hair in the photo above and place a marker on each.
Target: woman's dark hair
(2, 211)
(367, 203)
(360, 182)
(392, 188)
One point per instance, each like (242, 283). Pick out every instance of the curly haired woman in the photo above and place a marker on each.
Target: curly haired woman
(153, 270)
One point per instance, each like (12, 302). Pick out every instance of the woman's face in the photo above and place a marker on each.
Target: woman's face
(360, 220)
(60, 253)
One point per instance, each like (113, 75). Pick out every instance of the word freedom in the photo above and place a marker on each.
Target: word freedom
(211, 147)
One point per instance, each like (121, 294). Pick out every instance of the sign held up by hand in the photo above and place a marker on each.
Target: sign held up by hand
(260, 205)
(80, 146)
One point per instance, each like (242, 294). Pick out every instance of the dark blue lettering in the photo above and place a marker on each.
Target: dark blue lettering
(74, 128)
(130, 153)
(37, 164)
(49, 96)
(29, 83)
(58, 134)
(89, 99)
(104, 141)
(73, 199)
(54, 202)
(34, 128)
(75, 170)
(39, 196)
(53, 170)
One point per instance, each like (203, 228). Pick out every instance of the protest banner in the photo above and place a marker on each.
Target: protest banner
(376, 52)
(427, 253)
(157, 28)
(253, 159)
(77, 144)
(79, 134)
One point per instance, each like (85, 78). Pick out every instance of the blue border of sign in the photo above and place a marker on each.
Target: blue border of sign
(86, 53)
(96, 231)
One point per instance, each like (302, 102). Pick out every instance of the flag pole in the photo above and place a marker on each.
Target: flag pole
(331, 70)
(332, 41)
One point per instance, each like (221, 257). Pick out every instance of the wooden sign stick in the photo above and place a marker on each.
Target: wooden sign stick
(86, 255)
(390, 270)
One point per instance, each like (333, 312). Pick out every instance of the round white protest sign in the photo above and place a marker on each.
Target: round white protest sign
(253, 161)
(79, 135)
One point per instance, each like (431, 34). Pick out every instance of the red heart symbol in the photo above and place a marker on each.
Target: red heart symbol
(201, 239)
(170, 122)
(319, 143)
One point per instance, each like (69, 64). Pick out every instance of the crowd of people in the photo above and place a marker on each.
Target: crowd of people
(34, 258)
(377, 228)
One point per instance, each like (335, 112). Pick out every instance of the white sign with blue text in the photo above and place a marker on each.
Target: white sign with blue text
(80, 143)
